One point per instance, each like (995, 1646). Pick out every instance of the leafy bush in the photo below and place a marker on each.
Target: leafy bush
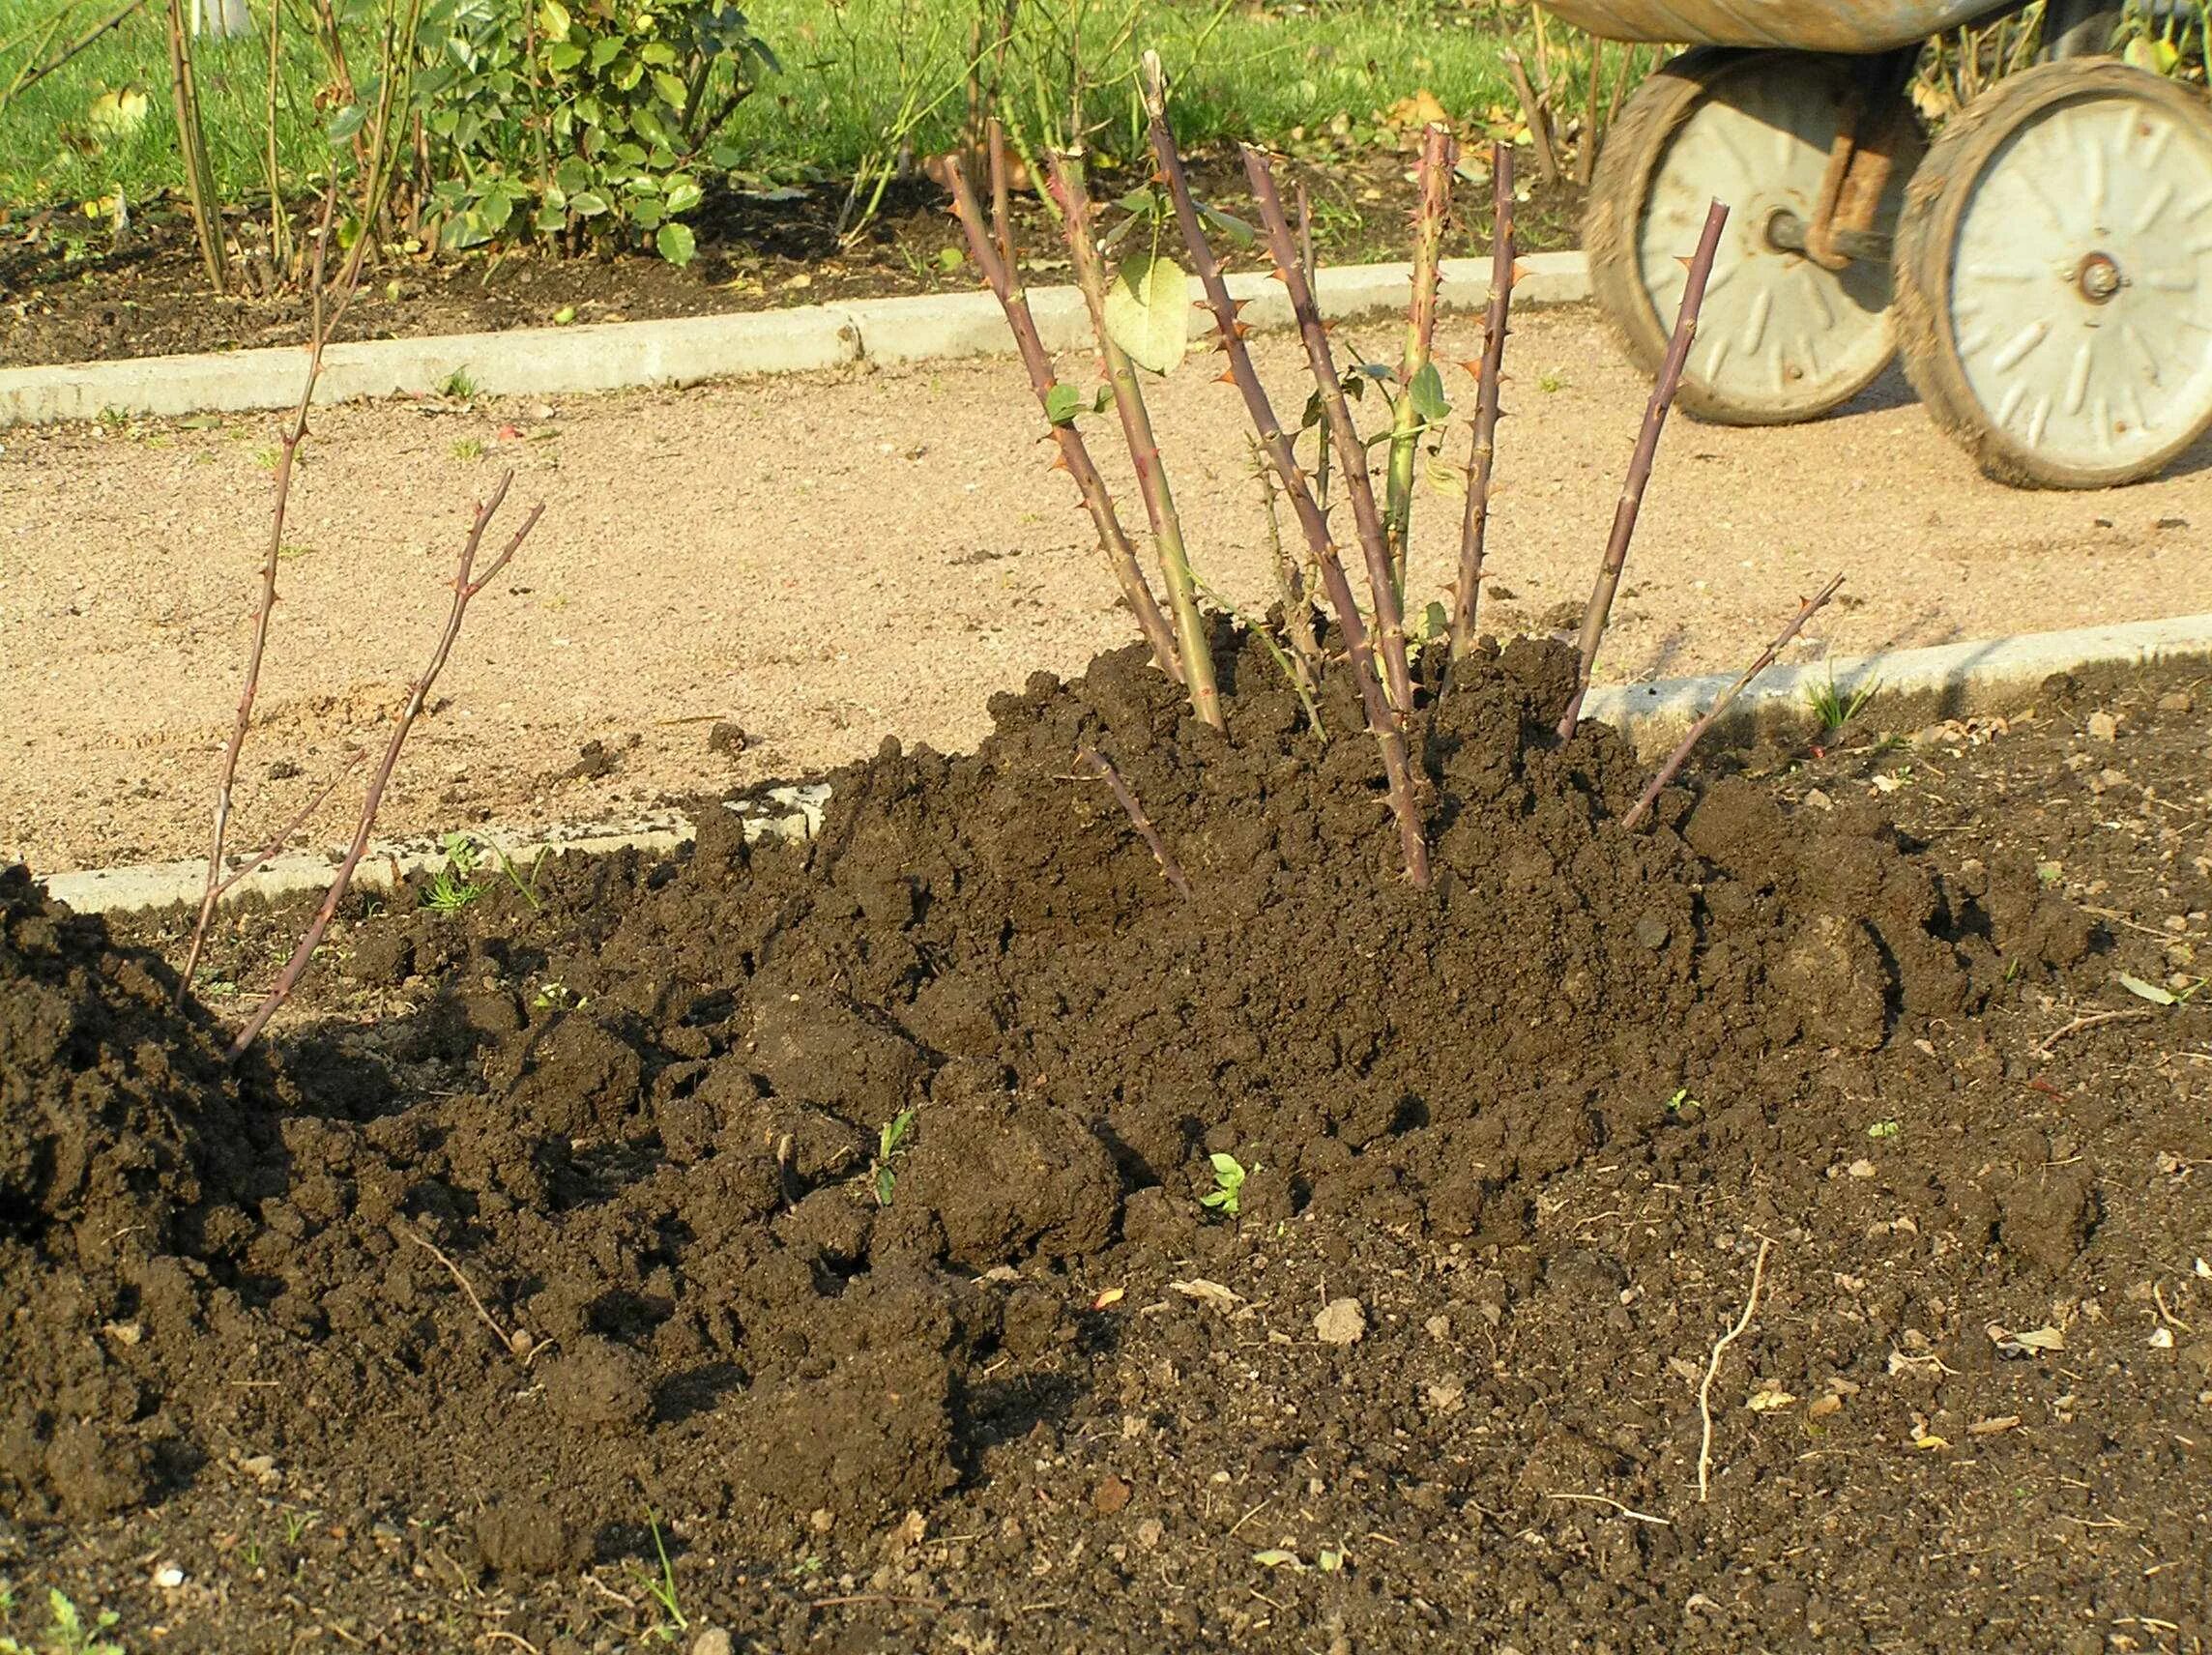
(578, 120)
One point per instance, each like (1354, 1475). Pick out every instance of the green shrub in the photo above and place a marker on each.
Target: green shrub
(578, 121)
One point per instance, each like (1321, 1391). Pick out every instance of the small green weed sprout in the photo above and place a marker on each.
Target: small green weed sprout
(1833, 709)
(1883, 1129)
(1683, 1106)
(1228, 1185)
(890, 1143)
(458, 385)
(673, 1620)
(1551, 380)
(468, 448)
(67, 1633)
(555, 995)
(456, 885)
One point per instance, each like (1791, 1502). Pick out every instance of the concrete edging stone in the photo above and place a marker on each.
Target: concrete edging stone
(619, 356)
(1926, 685)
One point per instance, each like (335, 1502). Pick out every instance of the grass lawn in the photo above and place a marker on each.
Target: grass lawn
(848, 69)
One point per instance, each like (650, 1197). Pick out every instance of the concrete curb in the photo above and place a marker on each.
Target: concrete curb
(617, 356)
(1917, 686)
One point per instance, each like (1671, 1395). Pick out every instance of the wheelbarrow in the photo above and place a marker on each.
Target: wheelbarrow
(2044, 267)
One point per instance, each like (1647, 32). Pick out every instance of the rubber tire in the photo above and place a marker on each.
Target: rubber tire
(1925, 239)
(1634, 147)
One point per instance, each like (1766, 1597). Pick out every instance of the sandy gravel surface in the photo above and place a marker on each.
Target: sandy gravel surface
(829, 561)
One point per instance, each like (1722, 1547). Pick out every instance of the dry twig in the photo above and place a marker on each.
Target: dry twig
(2091, 1021)
(1681, 753)
(1713, 1368)
(515, 1343)
(1627, 1511)
(1639, 465)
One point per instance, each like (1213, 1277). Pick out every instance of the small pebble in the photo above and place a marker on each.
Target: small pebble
(711, 1641)
(1342, 1322)
(2103, 727)
(169, 1576)
(2176, 701)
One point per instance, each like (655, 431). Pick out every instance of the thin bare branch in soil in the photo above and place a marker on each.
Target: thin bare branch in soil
(326, 306)
(1343, 433)
(1482, 452)
(1766, 658)
(1103, 769)
(2093, 1020)
(192, 143)
(1639, 465)
(1074, 456)
(467, 583)
(1382, 717)
(1713, 1368)
(1192, 644)
(1440, 153)
(275, 846)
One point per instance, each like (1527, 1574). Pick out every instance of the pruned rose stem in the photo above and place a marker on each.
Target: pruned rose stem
(1766, 658)
(1074, 456)
(1192, 645)
(1307, 264)
(1662, 389)
(1002, 193)
(1103, 769)
(1439, 155)
(1382, 717)
(326, 303)
(467, 583)
(1482, 452)
(1536, 112)
(1290, 585)
(1350, 451)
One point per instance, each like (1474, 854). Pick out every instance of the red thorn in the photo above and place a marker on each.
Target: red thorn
(1228, 376)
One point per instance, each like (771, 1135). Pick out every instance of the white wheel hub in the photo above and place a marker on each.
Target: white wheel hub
(1777, 332)
(2081, 285)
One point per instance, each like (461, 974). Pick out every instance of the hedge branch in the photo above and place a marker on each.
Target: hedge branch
(1382, 717)
(1482, 452)
(1308, 264)
(466, 585)
(1439, 155)
(1600, 607)
(1111, 778)
(1767, 657)
(1350, 451)
(1074, 456)
(1192, 644)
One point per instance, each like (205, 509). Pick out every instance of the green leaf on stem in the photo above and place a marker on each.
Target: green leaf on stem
(1147, 313)
(1428, 393)
(1062, 403)
(676, 243)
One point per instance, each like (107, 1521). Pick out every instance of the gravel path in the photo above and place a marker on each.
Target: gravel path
(827, 561)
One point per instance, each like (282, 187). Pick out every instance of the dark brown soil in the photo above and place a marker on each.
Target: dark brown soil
(72, 301)
(1539, 1127)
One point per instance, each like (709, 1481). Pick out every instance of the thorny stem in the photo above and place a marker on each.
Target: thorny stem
(466, 585)
(1074, 456)
(1381, 718)
(1439, 155)
(1002, 193)
(1307, 264)
(1351, 452)
(1111, 778)
(1289, 582)
(1482, 452)
(1639, 464)
(192, 142)
(1191, 641)
(1767, 657)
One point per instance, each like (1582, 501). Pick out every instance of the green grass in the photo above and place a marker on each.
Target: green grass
(849, 68)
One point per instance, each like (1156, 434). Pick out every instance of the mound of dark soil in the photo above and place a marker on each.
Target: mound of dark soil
(701, 1186)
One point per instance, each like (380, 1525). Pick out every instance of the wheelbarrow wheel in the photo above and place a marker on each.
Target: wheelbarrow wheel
(1781, 339)
(2054, 275)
